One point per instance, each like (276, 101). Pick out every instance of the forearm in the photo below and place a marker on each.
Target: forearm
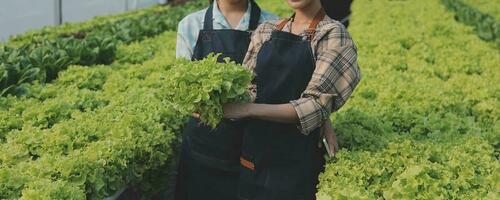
(284, 113)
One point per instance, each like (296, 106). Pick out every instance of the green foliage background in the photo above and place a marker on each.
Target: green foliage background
(423, 123)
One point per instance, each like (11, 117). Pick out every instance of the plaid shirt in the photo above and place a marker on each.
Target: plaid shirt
(334, 79)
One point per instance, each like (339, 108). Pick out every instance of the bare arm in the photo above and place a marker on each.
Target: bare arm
(284, 113)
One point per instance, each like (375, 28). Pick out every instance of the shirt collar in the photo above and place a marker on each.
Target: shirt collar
(219, 18)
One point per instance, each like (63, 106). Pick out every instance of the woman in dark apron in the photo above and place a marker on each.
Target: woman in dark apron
(209, 161)
(305, 68)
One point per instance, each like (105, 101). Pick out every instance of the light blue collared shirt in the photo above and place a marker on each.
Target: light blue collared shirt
(190, 26)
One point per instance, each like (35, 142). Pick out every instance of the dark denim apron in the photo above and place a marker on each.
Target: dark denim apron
(209, 162)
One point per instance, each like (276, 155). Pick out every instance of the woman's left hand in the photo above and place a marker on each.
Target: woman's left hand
(236, 110)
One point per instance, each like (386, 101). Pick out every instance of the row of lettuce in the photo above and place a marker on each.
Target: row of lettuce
(483, 15)
(95, 130)
(40, 55)
(424, 123)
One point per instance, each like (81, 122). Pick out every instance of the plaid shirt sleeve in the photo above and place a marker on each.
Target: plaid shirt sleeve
(333, 81)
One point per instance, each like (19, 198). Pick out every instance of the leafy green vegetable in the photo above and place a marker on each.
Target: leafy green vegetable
(203, 86)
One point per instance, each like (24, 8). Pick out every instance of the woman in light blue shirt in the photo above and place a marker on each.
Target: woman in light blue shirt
(190, 26)
(210, 158)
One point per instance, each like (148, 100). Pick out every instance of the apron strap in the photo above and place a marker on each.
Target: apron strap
(208, 24)
(312, 27)
(254, 17)
(282, 23)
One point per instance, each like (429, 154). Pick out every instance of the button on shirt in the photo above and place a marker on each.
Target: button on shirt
(190, 26)
(334, 79)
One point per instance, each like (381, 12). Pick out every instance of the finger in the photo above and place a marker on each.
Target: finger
(330, 153)
(332, 149)
(337, 149)
(332, 143)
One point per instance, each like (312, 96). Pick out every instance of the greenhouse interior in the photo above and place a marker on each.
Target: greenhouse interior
(249, 99)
